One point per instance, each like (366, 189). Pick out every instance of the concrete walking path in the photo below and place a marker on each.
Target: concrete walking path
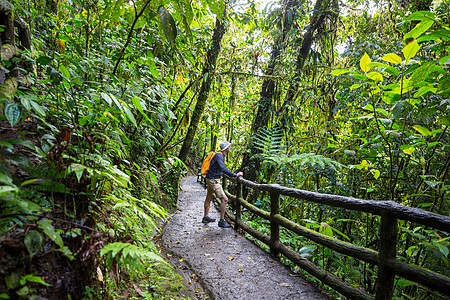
(228, 265)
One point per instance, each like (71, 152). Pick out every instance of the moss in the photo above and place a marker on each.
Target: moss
(8, 51)
(8, 90)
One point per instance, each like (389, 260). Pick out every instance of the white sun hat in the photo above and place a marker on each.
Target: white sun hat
(224, 145)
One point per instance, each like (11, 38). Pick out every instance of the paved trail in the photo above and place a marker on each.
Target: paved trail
(228, 265)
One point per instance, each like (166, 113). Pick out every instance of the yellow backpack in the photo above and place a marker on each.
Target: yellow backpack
(206, 163)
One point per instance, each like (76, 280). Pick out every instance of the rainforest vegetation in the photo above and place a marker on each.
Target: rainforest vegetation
(105, 105)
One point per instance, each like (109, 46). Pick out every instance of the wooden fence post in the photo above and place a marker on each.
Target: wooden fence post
(274, 227)
(387, 250)
(238, 206)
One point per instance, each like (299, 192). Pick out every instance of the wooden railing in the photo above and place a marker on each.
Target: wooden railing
(385, 258)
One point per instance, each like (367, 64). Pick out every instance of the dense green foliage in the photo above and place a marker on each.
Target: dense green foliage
(94, 140)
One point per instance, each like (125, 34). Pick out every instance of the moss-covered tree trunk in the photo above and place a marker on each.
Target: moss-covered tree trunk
(208, 75)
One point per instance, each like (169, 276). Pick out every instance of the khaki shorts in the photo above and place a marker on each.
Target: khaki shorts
(214, 187)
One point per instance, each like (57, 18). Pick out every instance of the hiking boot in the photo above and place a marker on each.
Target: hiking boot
(224, 224)
(208, 219)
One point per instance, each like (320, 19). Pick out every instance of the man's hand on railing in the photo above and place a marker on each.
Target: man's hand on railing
(239, 174)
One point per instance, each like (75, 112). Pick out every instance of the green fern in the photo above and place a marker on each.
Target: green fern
(309, 160)
(130, 256)
(269, 141)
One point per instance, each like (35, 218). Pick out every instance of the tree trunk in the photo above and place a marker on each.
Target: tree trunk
(208, 75)
(319, 13)
(251, 165)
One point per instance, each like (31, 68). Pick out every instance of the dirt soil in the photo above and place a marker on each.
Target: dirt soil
(224, 263)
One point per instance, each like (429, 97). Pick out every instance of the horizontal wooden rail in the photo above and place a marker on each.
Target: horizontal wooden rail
(418, 274)
(371, 206)
(389, 211)
(364, 254)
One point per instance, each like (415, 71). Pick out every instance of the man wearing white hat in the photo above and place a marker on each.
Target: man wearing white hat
(216, 168)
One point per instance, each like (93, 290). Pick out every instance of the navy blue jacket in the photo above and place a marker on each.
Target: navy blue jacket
(217, 167)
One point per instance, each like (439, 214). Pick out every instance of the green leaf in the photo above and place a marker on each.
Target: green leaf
(32, 278)
(64, 71)
(34, 242)
(423, 72)
(49, 230)
(410, 50)
(6, 179)
(13, 113)
(355, 86)
(432, 184)
(392, 58)
(392, 70)
(443, 34)
(339, 72)
(421, 16)
(425, 89)
(37, 108)
(154, 178)
(364, 62)
(78, 169)
(445, 60)
(424, 131)
(375, 173)
(375, 76)
(130, 115)
(419, 29)
(362, 165)
(137, 103)
(116, 101)
(217, 7)
(43, 60)
(6, 144)
(7, 189)
(106, 98)
(359, 76)
(408, 149)
(326, 229)
(25, 103)
(167, 23)
(442, 249)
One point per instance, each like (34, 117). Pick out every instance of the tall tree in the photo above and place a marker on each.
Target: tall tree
(250, 164)
(208, 75)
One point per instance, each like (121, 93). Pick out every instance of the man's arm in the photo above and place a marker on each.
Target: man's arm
(222, 167)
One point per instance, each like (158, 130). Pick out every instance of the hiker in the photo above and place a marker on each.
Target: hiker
(216, 168)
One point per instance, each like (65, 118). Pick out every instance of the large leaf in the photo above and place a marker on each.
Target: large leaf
(13, 113)
(425, 89)
(422, 130)
(339, 72)
(184, 8)
(49, 230)
(421, 16)
(167, 24)
(137, 103)
(410, 50)
(39, 109)
(129, 115)
(419, 29)
(33, 241)
(364, 63)
(375, 76)
(64, 71)
(408, 149)
(217, 7)
(392, 58)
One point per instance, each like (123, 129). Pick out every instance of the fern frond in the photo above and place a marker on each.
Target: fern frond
(268, 141)
(129, 255)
